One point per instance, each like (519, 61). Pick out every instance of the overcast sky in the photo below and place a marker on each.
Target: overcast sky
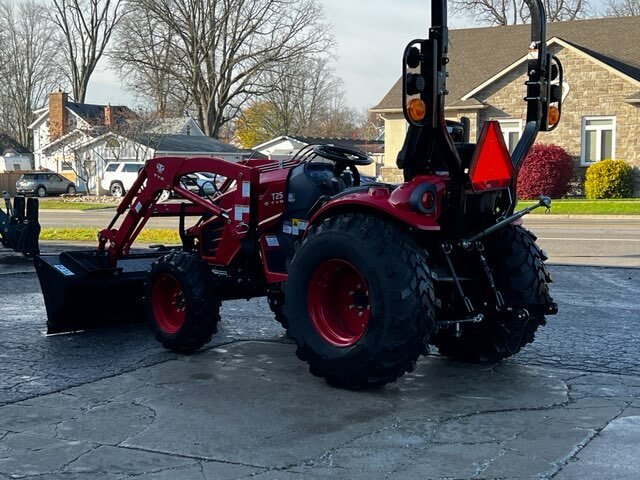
(370, 35)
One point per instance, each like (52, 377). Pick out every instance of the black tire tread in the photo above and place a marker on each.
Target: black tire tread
(204, 306)
(404, 339)
(522, 277)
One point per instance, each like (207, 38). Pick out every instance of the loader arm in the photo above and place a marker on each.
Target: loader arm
(161, 174)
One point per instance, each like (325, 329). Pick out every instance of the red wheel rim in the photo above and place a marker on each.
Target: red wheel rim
(168, 303)
(338, 302)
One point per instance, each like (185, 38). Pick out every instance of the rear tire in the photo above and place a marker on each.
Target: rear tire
(116, 189)
(182, 310)
(521, 276)
(360, 301)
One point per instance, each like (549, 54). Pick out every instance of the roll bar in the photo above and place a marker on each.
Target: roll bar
(425, 76)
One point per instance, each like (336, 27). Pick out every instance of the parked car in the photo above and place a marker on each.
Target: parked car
(43, 184)
(118, 177)
(203, 183)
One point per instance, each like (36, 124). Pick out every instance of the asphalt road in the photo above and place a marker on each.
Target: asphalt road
(575, 240)
(607, 241)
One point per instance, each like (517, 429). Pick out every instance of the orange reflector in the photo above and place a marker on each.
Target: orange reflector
(490, 165)
(553, 115)
(416, 110)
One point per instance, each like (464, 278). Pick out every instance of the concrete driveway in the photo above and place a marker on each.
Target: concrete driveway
(113, 404)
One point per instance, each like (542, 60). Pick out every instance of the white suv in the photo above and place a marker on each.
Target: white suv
(119, 177)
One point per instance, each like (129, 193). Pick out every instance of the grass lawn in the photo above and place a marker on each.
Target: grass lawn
(580, 206)
(149, 235)
(58, 204)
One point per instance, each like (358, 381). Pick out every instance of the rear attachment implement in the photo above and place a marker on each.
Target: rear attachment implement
(19, 227)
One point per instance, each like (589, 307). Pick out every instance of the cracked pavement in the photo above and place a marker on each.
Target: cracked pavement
(113, 404)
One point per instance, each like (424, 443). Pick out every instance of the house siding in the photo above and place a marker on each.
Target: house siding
(593, 91)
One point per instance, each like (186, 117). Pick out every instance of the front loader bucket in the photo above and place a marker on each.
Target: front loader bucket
(81, 291)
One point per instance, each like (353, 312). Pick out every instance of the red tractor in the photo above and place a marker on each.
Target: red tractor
(365, 276)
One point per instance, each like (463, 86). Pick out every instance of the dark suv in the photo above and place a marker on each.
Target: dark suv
(43, 184)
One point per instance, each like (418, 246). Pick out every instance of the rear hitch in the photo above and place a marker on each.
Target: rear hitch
(467, 243)
(445, 323)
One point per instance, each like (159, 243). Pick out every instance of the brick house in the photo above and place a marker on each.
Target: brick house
(601, 110)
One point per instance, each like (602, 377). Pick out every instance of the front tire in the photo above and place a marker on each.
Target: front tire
(521, 276)
(41, 192)
(360, 301)
(181, 308)
(71, 190)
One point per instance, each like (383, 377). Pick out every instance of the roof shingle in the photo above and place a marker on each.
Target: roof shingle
(477, 54)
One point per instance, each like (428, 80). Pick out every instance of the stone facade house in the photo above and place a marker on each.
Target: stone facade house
(78, 139)
(601, 90)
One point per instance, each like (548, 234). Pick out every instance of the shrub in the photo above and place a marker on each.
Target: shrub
(547, 170)
(609, 179)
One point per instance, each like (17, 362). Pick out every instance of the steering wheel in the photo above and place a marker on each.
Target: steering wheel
(345, 158)
(348, 156)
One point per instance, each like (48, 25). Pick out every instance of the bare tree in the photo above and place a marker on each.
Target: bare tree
(221, 49)
(622, 8)
(301, 94)
(340, 120)
(512, 12)
(86, 26)
(305, 98)
(144, 56)
(30, 67)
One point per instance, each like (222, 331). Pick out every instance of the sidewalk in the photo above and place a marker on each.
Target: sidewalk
(251, 409)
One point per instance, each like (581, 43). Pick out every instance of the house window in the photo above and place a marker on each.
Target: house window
(598, 139)
(66, 166)
(511, 131)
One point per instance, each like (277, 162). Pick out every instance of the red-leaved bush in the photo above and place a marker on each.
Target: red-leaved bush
(547, 170)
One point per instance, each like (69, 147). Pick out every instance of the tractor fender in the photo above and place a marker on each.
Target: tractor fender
(400, 205)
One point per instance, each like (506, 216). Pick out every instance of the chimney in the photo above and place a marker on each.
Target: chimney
(57, 114)
(108, 116)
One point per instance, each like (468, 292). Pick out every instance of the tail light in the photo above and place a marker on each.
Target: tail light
(417, 110)
(491, 167)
